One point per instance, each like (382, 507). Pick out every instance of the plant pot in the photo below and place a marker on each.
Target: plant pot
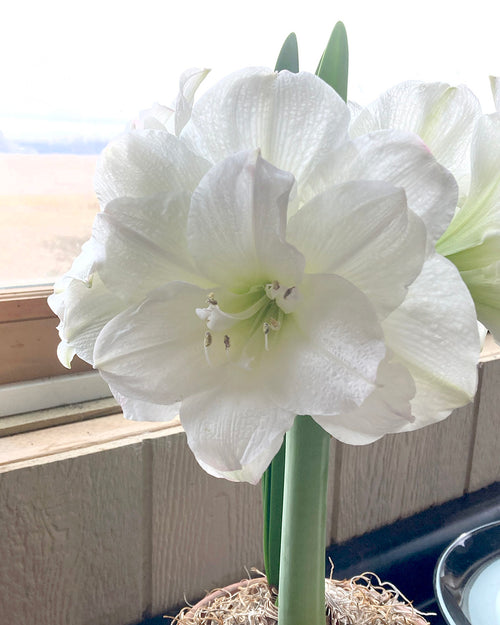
(252, 602)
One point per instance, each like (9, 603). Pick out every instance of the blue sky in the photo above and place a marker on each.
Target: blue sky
(108, 59)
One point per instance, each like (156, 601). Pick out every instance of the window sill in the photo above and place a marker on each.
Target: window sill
(79, 438)
(60, 415)
(47, 438)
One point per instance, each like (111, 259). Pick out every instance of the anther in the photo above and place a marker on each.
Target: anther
(276, 285)
(227, 342)
(211, 299)
(207, 343)
(273, 324)
(288, 292)
(265, 329)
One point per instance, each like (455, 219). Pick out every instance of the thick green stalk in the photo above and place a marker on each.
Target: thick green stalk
(273, 478)
(302, 570)
(272, 502)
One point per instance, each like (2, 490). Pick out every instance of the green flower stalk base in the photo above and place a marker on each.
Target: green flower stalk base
(272, 502)
(301, 598)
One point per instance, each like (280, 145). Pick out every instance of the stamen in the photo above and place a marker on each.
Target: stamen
(218, 320)
(265, 329)
(274, 325)
(286, 297)
(207, 343)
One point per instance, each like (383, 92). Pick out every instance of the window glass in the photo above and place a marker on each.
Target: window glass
(47, 207)
(74, 73)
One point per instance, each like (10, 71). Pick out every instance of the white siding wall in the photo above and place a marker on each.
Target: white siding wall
(116, 521)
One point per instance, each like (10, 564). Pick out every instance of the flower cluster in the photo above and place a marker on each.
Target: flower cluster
(258, 256)
(467, 142)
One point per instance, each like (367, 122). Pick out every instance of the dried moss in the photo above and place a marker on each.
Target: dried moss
(362, 600)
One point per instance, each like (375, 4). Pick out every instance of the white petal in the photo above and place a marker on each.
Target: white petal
(237, 222)
(495, 88)
(480, 256)
(434, 334)
(363, 232)
(141, 164)
(155, 351)
(386, 410)
(354, 109)
(138, 410)
(235, 429)
(140, 244)
(326, 355)
(82, 269)
(484, 286)
(155, 118)
(480, 215)
(189, 82)
(441, 115)
(65, 354)
(258, 108)
(84, 309)
(404, 161)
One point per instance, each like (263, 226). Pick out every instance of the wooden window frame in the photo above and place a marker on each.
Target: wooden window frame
(29, 337)
(28, 352)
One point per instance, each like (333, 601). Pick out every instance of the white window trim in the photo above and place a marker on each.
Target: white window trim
(45, 393)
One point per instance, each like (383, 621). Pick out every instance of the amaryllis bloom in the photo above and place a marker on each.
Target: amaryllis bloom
(450, 122)
(262, 265)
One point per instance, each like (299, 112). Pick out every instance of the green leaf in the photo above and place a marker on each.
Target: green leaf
(333, 67)
(288, 57)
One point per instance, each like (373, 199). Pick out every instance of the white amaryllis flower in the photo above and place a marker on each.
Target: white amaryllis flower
(176, 116)
(449, 120)
(262, 265)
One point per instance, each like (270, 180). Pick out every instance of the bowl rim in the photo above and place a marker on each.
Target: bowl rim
(438, 574)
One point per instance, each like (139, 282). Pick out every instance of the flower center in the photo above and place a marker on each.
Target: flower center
(238, 328)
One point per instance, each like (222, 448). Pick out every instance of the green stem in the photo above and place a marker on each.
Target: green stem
(272, 501)
(302, 571)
